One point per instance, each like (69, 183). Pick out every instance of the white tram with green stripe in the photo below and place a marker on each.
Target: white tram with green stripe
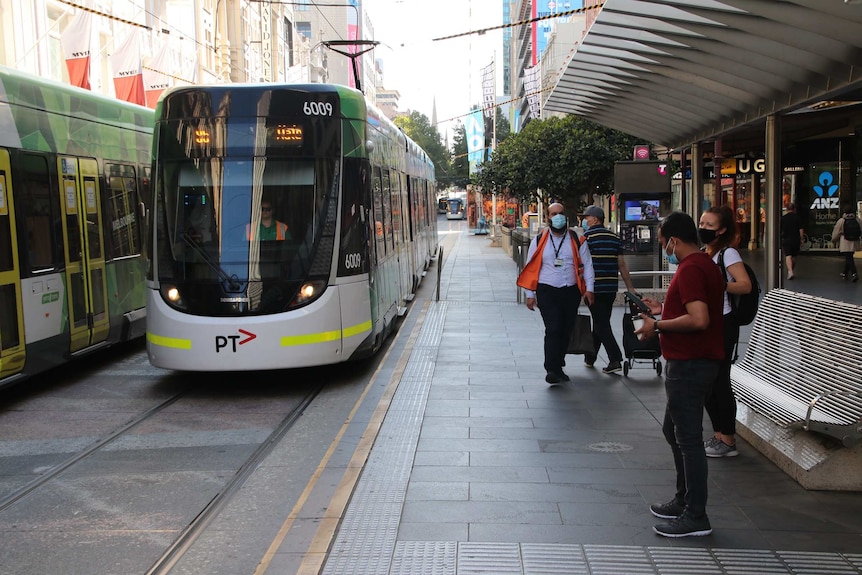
(355, 203)
(74, 170)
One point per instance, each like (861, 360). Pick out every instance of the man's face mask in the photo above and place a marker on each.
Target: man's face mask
(558, 221)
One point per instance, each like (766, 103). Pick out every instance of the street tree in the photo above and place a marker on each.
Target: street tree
(417, 126)
(567, 158)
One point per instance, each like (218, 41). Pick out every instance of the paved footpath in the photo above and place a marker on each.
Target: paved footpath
(481, 467)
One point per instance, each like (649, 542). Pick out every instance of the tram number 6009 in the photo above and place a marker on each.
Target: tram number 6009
(352, 261)
(317, 108)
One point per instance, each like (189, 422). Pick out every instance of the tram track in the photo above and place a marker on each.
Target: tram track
(199, 524)
(167, 455)
(60, 468)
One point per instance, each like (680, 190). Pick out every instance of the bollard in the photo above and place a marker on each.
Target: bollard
(439, 270)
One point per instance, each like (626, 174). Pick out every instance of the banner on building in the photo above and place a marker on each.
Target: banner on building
(532, 88)
(155, 79)
(128, 71)
(474, 130)
(489, 89)
(75, 41)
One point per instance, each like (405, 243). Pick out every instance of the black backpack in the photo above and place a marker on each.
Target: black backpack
(851, 229)
(744, 305)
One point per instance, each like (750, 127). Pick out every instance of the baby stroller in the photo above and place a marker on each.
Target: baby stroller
(638, 351)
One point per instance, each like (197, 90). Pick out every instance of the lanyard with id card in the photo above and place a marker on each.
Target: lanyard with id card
(558, 261)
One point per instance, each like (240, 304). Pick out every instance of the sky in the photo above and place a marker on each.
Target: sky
(422, 70)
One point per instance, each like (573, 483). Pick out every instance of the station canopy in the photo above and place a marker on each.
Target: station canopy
(675, 72)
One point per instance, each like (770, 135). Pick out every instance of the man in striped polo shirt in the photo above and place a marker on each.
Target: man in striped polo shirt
(608, 262)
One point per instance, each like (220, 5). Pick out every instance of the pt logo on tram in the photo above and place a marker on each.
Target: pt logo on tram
(223, 341)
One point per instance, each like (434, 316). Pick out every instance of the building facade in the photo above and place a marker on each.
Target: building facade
(188, 41)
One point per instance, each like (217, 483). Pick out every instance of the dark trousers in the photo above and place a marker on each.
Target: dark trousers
(721, 403)
(558, 307)
(603, 335)
(849, 264)
(687, 384)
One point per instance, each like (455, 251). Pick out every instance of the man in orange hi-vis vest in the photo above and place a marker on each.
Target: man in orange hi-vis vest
(269, 228)
(559, 271)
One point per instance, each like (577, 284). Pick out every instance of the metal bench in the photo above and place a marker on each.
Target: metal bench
(803, 365)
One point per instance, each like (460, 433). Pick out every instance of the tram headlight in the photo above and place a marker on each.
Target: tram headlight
(309, 291)
(172, 295)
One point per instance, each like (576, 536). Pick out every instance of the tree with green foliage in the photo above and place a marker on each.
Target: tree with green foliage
(460, 165)
(568, 158)
(419, 129)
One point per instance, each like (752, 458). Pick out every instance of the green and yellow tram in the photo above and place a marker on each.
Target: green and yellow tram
(292, 225)
(74, 175)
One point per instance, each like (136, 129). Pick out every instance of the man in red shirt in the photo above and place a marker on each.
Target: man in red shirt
(691, 334)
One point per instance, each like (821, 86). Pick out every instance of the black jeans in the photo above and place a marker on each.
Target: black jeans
(603, 335)
(849, 264)
(687, 383)
(558, 307)
(721, 403)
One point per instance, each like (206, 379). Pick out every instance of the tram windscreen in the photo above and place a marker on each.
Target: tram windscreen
(245, 226)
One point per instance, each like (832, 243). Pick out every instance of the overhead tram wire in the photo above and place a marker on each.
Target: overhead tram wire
(512, 25)
(522, 22)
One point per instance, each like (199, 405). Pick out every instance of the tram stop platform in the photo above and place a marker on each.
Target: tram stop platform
(462, 460)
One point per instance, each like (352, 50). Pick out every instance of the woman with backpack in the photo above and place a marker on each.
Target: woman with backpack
(847, 233)
(718, 233)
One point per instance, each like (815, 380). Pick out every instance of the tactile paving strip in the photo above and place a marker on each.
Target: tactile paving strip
(366, 536)
(366, 540)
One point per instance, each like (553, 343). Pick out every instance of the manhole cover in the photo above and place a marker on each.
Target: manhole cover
(610, 447)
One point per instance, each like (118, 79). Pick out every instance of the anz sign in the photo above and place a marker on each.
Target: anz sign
(827, 192)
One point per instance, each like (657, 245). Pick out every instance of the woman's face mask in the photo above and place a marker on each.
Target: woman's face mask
(707, 236)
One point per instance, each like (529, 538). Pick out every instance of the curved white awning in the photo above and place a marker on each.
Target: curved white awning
(676, 72)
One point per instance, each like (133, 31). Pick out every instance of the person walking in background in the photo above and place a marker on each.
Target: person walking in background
(691, 333)
(792, 234)
(847, 233)
(609, 264)
(559, 271)
(718, 233)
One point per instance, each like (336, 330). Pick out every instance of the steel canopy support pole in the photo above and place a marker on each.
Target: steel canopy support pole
(772, 245)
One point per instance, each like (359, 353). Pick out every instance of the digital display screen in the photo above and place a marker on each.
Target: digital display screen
(286, 135)
(641, 210)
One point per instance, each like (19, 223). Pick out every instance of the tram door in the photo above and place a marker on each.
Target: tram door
(84, 252)
(11, 315)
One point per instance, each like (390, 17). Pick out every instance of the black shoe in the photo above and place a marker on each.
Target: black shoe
(684, 526)
(563, 376)
(670, 510)
(589, 361)
(855, 278)
(844, 276)
(613, 367)
(552, 377)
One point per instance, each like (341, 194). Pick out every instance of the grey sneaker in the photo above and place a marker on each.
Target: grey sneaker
(711, 442)
(670, 510)
(684, 526)
(721, 449)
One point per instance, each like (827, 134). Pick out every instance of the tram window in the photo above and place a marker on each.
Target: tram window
(379, 235)
(397, 232)
(9, 336)
(41, 217)
(122, 213)
(94, 242)
(5, 227)
(387, 210)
